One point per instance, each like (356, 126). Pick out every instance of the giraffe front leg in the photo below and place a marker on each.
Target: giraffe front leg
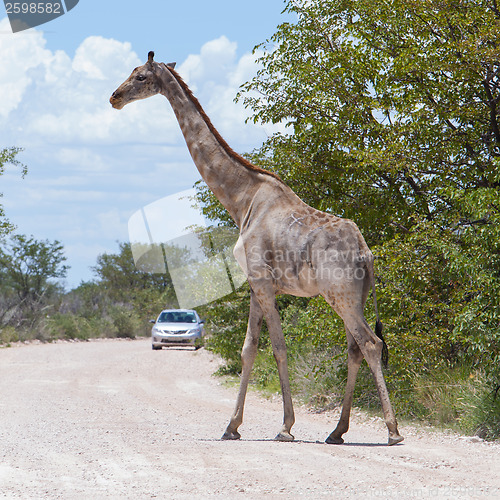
(248, 354)
(268, 304)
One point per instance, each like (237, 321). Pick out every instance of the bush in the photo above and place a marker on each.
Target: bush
(457, 396)
(485, 415)
(126, 323)
(8, 334)
(226, 321)
(66, 326)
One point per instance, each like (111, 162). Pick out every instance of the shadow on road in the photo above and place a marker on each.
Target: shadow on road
(300, 441)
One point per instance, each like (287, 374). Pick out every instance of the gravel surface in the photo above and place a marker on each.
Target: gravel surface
(114, 419)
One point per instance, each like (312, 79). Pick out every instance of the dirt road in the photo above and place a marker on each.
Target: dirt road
(114, 419)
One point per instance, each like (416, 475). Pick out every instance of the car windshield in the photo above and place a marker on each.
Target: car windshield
(177, 317)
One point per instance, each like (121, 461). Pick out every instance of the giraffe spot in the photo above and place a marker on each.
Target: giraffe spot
(330, 298)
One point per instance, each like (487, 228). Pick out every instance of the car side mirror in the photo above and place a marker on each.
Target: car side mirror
(152, 321)
(202, 321)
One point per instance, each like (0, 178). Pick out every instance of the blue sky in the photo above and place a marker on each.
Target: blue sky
(90, 168)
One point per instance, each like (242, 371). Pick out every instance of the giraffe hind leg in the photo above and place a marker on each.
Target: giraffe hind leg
(371, 347)
(354, 358)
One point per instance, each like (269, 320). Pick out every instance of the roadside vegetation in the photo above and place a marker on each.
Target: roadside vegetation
(392, 114)
(34, 305)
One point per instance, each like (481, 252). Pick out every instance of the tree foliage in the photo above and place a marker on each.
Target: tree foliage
(34, 304)
(117, 273)
(394, 111)
(393, 107)
(8, 156)
(28, 265)
(117, 303)
(29, 270)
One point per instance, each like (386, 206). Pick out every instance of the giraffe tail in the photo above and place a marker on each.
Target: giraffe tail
(378, 325)
(378, 332)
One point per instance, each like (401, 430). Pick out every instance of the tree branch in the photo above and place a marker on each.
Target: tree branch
(493, 112)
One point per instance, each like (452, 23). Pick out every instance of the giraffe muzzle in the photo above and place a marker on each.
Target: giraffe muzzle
(116, 101)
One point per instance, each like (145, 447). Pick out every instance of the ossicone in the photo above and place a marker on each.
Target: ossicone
(151, 55)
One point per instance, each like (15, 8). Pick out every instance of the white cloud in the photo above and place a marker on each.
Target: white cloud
(85, 159)
(215, 76)
(49, 97)
(19, 55)
(103, 59)
(216, 58)
(91, 166)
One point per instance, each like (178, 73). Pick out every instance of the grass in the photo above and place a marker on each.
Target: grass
(461, 399)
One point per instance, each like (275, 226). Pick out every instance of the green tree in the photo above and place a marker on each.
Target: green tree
(391, 105)
(8, 156)
(394, 120)
(28, 266)
(29, 270)
(125, 284)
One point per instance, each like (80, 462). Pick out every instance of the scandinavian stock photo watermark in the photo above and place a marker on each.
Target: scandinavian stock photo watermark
(330, 264)
(29, 14)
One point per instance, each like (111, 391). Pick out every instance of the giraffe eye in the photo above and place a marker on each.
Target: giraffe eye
(141, 78)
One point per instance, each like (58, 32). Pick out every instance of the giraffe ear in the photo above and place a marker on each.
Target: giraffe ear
(151, 54)
(171, 65)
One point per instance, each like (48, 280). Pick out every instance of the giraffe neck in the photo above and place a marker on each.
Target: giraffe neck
(232, 179)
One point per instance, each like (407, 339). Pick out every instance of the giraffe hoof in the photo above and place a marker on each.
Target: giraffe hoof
(334, 440)
(284, 436)
(230, 436)
(395, 440)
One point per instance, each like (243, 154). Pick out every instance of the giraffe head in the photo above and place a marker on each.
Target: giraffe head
(141, 84)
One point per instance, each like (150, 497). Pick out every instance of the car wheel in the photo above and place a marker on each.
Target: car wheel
(155, 348)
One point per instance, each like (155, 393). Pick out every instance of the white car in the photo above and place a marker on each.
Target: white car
(177, 327)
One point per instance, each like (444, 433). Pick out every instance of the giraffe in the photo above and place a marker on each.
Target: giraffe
(284, 247)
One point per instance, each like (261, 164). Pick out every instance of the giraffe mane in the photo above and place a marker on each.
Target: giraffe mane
(227, 148)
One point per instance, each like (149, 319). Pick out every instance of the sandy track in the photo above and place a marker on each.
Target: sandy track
(113, 419)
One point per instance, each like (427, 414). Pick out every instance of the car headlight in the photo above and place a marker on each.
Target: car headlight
(194, 330)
